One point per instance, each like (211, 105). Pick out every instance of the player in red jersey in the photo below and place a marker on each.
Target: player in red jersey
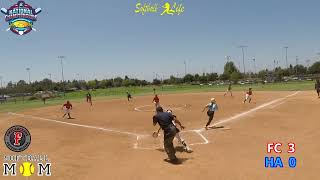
(67, 107)
(248, 96)
(156, 101)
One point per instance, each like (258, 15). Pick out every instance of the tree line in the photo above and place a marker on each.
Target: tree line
(231, 73)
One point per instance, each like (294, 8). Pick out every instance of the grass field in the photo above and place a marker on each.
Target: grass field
(114, 93)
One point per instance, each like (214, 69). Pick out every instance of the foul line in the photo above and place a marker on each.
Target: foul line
(237, 116)
(77, 125)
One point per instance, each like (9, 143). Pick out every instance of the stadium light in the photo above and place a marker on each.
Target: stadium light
(286, 47)
(1, 81)
(28, 70)
(62, 74)
(185, 67)
(244, 66)
(254, 65)
(297, 59)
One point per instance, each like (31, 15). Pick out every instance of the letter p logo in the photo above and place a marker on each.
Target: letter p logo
(17, 138)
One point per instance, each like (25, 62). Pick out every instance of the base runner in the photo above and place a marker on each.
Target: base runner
(67, 107)
(248, 96)
(211, 108)
(178, 135)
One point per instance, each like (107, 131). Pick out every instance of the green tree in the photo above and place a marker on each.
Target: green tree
(229, 68)
(315, 68)
(223, 77)
(188, 78)
(300, 69)
(156, 82)
(92, 84)
(212, 77)
(235, 76)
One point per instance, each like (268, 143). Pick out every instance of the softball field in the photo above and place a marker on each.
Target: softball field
(112, 139)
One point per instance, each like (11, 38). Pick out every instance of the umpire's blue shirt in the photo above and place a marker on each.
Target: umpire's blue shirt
(164, 119)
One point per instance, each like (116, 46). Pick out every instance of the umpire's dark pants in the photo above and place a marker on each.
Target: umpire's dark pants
(169, 134)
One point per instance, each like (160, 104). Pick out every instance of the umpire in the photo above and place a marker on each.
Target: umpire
(164, 119)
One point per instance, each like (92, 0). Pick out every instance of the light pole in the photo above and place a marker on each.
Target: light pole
(1, 81)
(62, 75)
(78, 77)
(254, 65)
(1, 86)
(50, 80)
(286, 48)
(244, 66)
(28, 70)
(1, 93)
(297, 65)
(185, 68)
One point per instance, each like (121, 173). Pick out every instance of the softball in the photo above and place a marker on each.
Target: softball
(26, 169)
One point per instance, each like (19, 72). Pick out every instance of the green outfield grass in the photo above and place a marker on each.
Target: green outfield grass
(113, 93)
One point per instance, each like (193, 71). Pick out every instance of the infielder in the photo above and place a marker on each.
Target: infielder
(129, 97)
(248, 96)
(89, 98)
(178, 135)
(67, 107)
(211, 108)
(164, 119)
(229, 90)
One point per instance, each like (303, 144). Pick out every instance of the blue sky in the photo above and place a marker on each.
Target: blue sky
(105, 38)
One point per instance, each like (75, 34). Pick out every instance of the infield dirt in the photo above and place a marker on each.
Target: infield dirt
(113, 151)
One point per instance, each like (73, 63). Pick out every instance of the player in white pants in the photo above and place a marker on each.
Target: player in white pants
(179, 137)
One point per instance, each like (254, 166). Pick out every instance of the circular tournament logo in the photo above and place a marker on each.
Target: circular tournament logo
(21, 17)
(17, 138)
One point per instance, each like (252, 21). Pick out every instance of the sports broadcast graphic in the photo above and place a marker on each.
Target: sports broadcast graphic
(159, 89)
(21, 17)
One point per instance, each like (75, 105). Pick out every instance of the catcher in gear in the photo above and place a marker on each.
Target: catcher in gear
(178, 135)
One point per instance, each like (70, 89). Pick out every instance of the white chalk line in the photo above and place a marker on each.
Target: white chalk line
(74, 124)
(138, 136)
(173, 108)
(205, 140)
(235, 117)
